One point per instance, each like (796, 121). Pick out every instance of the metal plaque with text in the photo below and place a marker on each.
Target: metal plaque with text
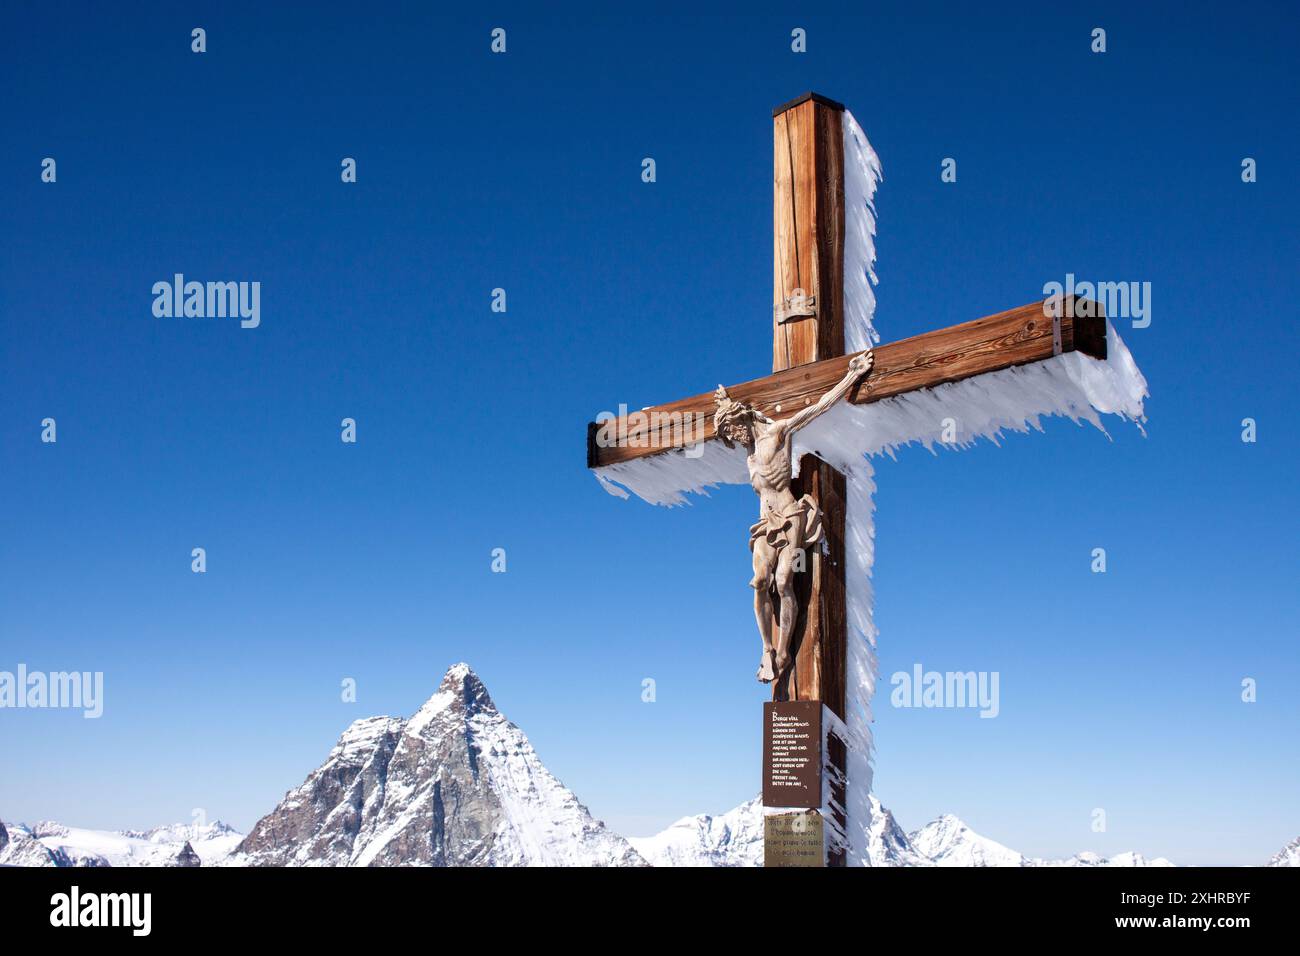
(792, 753)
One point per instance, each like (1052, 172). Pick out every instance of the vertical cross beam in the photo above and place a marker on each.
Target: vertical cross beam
(808, 326)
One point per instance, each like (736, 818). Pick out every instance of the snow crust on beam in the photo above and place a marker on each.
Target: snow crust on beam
(861, 177)
(666, 478)
(1073, 385)
(862, 669)
(862, 174)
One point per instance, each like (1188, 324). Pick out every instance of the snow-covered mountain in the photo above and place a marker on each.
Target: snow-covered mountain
(735, 838)
(53, 844)
(888, 844)
(456, 784)
(1289, 855)
(948, 841)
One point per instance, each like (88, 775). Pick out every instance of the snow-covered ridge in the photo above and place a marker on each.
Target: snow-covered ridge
(734, 838)
(948, 841)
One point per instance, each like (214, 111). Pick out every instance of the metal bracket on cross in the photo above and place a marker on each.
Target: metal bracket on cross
(797, 306)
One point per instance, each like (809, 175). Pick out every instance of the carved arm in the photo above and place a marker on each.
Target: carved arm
(859, 366)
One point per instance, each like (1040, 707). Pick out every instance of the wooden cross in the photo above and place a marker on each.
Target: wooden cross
(808, 357)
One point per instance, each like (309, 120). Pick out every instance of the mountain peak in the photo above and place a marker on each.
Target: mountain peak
(460, 692)
(948, 841)
(464, 685)
(187, 857)
(456, 784)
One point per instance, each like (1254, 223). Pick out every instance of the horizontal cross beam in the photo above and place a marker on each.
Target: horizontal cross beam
(1016, 337)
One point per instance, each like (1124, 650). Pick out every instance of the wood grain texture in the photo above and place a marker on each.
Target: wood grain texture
(808, 231)
(819, 668)
(1015, 337)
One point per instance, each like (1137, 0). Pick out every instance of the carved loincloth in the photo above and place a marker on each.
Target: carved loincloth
(776, 528)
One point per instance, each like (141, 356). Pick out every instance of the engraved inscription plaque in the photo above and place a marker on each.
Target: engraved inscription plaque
(793, 839)
(792, 753)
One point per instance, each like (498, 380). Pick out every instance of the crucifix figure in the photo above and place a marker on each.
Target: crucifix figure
(801, 437)
(787, 527)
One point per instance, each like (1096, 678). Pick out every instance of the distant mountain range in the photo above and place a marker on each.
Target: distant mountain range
(457, 784)
(52, 844)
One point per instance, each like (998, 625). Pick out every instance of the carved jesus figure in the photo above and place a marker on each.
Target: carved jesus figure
(787, 527)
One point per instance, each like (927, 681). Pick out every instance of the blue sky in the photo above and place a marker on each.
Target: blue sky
(522, 171)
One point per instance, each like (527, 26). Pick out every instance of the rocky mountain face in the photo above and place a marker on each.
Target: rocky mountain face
(19, 848)
(456, 784)
(887, 843)
(22, 850)
(187, 857)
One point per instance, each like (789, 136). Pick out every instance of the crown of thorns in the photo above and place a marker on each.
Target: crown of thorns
(730, 412)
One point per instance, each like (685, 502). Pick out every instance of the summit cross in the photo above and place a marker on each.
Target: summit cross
(799, 542)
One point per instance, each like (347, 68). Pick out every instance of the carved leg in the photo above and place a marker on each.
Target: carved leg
(763, 612)
(764, 567)
(785, 632)
(789, 616)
